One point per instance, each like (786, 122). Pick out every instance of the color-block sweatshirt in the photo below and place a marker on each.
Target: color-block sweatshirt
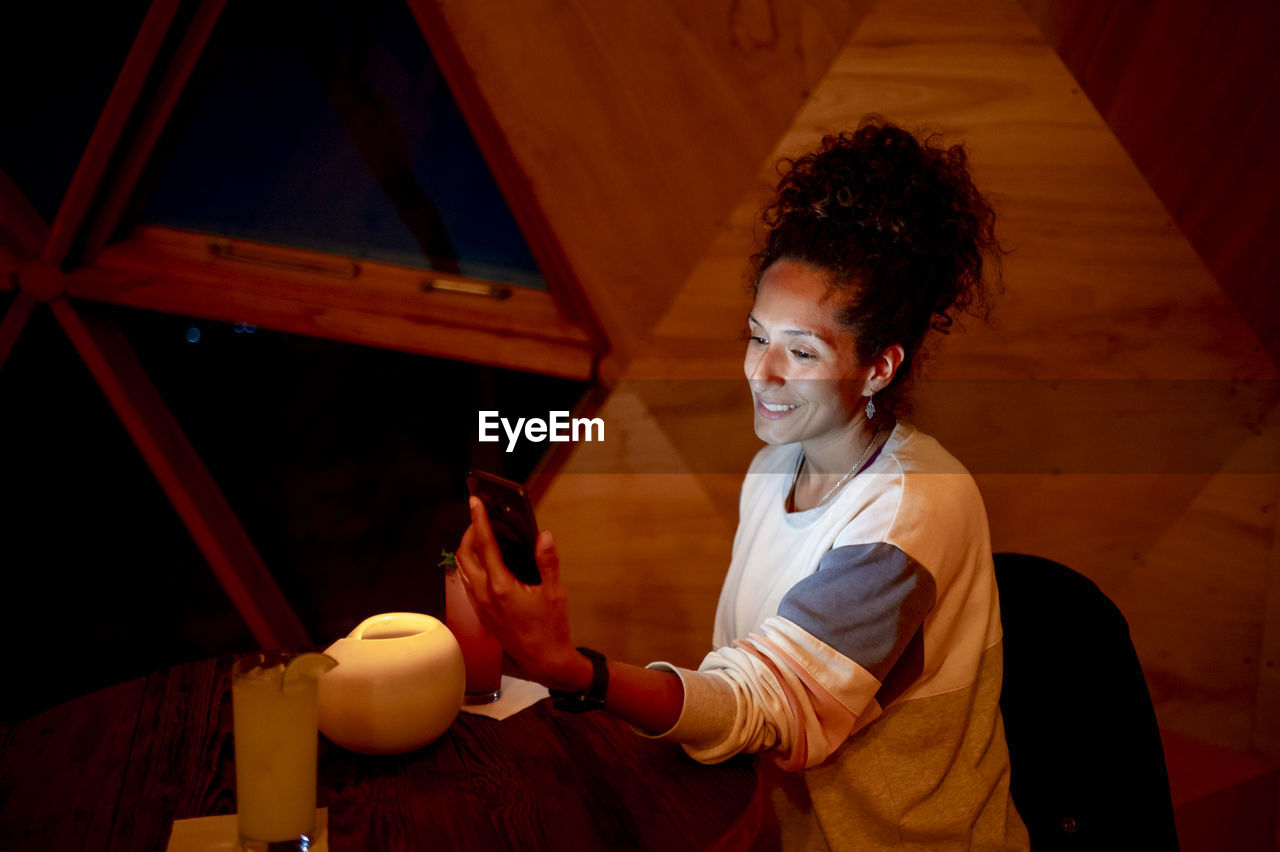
(860, 641)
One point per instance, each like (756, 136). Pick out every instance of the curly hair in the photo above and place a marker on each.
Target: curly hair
(897, 225)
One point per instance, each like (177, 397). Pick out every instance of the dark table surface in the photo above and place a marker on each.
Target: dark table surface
(112, 770)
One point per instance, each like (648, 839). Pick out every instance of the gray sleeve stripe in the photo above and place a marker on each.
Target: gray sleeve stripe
(866, 600)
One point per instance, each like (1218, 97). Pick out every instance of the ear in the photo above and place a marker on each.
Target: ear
(883, 368)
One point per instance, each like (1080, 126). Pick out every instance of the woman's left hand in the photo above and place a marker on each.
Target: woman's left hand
(531, 622)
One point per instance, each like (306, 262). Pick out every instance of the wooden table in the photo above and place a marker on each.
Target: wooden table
(113, 769)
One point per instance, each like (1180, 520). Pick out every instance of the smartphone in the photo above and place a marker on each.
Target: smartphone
(512, 520)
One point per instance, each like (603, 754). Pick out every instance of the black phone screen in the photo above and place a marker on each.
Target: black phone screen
(511, 517)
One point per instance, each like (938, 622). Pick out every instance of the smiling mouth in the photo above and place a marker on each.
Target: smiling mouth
(775, 410)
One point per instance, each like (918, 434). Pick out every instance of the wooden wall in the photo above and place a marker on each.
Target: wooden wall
(1109, 313)
(1192, 91)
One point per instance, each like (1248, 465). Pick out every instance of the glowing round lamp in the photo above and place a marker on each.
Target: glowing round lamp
(398, 684)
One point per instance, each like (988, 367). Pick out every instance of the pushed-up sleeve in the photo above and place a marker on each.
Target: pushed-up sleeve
(799, 683)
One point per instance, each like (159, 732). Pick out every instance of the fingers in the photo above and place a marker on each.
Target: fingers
(480, 560)
(485, 542)
(477, 570)
(544, 553)
(472, 572)
(500, 578)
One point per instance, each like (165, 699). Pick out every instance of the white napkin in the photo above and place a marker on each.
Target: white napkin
(516, 695)
(218, 834)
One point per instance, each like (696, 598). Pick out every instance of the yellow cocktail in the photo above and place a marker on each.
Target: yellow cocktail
(274, 718)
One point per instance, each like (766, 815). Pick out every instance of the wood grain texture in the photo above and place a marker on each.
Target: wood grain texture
(1192, 91)
(643, 556)
(332, 297)
(60, 773)
(113, 769)
(182, 757)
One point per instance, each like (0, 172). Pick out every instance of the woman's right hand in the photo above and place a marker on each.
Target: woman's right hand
(531, 622)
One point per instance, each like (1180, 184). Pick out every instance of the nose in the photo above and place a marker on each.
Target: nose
(762, 367)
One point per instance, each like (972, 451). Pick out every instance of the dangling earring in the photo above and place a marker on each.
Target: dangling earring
(871, 407)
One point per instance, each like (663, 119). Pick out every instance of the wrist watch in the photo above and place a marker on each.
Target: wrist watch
(593, 697)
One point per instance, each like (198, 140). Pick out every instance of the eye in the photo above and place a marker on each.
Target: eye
(802, 355)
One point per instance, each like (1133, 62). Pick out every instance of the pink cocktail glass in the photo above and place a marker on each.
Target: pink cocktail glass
(481, 652)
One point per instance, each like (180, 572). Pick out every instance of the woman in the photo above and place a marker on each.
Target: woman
(858, 633)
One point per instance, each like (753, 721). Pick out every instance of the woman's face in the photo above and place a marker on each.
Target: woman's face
(804, 375)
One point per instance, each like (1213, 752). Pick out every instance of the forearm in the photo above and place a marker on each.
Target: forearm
(648, 699)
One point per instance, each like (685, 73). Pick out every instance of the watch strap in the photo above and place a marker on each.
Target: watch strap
(592, 698)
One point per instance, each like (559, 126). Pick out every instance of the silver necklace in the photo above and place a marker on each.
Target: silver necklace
(866, 453)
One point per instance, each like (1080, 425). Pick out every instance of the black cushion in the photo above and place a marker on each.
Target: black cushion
(1088, 765)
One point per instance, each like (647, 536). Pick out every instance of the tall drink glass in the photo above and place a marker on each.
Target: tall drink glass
(481, 653)
(274, 725)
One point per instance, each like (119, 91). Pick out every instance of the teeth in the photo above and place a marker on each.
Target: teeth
(769, 406)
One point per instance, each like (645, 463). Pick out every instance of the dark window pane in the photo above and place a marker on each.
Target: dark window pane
(328, 126)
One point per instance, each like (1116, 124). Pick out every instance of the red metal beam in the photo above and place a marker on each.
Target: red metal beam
(98, 154)
(185, 57)
(185, 480)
